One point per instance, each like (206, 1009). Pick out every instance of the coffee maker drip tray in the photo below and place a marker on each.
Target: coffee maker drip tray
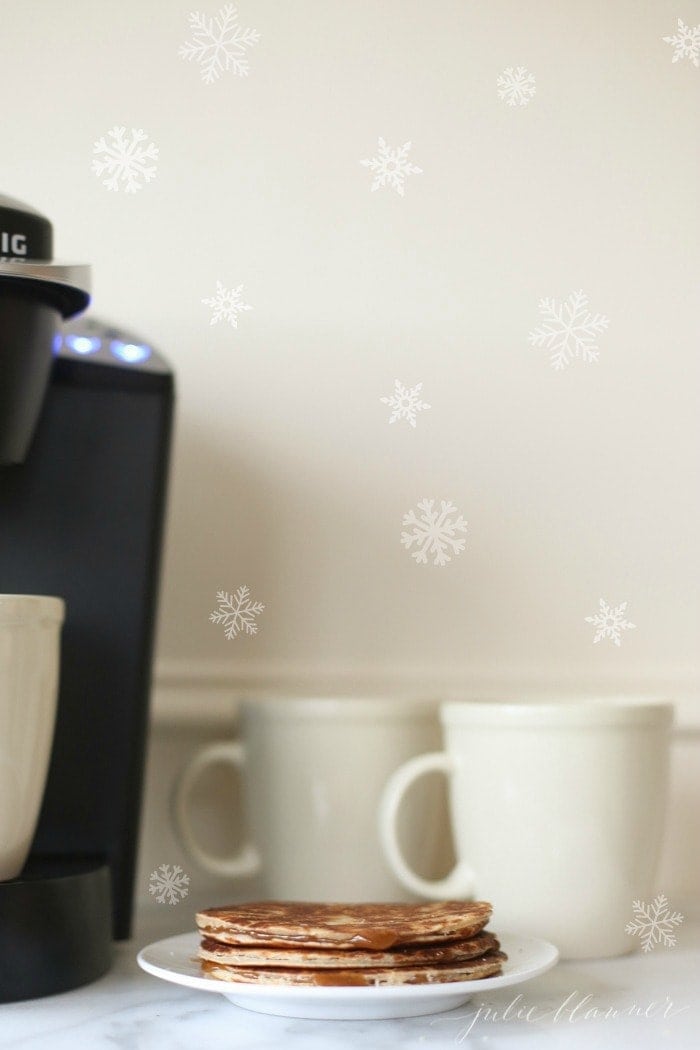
(55, 927)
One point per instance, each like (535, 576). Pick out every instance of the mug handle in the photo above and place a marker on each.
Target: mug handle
(459, 884)
(246, 861)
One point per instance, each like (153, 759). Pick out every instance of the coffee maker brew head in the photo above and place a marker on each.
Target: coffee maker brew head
(35, 293)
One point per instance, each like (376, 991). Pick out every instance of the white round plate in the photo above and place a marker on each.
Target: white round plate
(175, 959)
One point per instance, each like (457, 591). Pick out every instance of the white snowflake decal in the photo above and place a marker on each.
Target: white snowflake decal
(391, 166)
(237, 612)
(516, 86)
(227, 304)
(434, 532)
(219, 44)
(610, 622)
(169, 884)
(654, 923)
(568, 330)
(405, 402)
(125, 160)
(686, 43)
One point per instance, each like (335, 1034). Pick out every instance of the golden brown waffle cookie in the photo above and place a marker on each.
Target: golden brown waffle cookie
(374, 927)
(328, 958)
(489, 965)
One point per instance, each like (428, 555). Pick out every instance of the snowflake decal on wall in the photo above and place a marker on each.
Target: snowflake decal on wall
(219, 44)
(169, 884)
(125, 159)
(391, 166)
(610, 621)
(686, 43)
(654, 923)
(236, 612)
(516, 86)
(226, 305)
(434, 532)
(568, 330)
(405, 402)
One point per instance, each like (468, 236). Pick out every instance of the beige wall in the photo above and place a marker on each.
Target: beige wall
(577, 485)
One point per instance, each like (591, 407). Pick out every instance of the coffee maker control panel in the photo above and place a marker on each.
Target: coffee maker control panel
(88, 339)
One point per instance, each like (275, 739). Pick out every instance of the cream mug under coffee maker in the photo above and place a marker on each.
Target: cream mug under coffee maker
(30, 628)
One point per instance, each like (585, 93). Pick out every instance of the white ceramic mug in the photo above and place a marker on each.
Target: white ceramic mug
(312, 776)
(557, 812)
(30, 627)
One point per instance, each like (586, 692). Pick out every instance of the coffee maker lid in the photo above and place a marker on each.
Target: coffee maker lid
(26, 250)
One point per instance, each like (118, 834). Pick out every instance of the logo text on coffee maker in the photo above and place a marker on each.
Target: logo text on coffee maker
(13, 243)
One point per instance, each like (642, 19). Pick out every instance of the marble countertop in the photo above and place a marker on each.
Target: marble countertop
(640, 1000)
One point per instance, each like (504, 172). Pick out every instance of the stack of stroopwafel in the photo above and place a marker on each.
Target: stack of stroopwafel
(293, 943)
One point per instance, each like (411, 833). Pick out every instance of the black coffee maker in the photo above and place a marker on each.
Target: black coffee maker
(85, 424)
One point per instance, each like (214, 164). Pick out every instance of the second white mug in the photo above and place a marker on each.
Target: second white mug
(557, 813)
(313, 771)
